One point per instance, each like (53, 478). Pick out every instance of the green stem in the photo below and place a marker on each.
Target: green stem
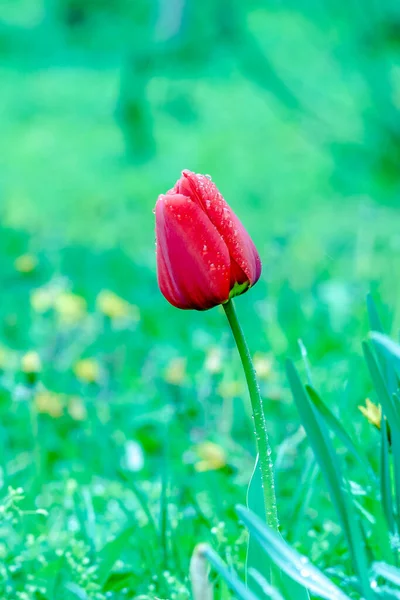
(263, 447)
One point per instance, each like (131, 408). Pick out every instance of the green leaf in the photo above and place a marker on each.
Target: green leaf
(330, 468)
(389, 572)
(374, 319)
(77, 591)
(256, 561)
(396, 464)
(389, 359)
(380, 386)
(335, 425)
(390, 406)
(110, 553)
(391, 347)
(289, 560)
(385, 483)
(230, 577)
(265, 587)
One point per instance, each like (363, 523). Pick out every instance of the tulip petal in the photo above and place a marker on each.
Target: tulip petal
(240, 245)
(193, 261)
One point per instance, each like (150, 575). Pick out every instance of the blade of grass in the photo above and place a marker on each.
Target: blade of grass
(266, 587)
(257, 561)
(388, 371)
(335, 425)
(389, 572)
(230, 577)
(373, 315)
(388, 353)
(381, 389)
(77, 591)
(110, 553)
(385, 483)
(396, 464)
(329, 464)
(302, 498)
(390, 408)
(388, 345)
(289, 560)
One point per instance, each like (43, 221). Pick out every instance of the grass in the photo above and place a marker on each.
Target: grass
(102, 492)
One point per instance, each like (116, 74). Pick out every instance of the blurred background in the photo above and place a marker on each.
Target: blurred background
(117, 410)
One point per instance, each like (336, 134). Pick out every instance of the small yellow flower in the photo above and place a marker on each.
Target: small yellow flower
(30, 363)
(372, 413)
(76, 409)
(26, 263)
(49, 403)
(212, 456)
(213, 362)
(115, 307)
(176, 371)
(42, 299)
(70, 307)
(87, 370)
(262, 365)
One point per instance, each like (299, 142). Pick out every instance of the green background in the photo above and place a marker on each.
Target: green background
(293, 109)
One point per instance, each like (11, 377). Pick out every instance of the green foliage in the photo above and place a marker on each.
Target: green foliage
(372, 541)
(107, 476)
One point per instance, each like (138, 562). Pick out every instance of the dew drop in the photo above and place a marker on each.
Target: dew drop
(208, 177)
(205, 248)
(208, 203)
(305, 573)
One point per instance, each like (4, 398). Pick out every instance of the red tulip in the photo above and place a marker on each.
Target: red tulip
(204, 254)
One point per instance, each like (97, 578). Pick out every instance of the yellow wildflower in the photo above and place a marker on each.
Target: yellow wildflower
(26, 263)
(115, 307)
(76, 409)
(70, 307)
(30, 363)
(212, 457)
(87, 370)
(49, 403)
(372, 413)
(262, 365)
(176, 371)
(42, 299)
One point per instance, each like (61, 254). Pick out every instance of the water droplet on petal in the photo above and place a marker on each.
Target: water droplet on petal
(208, 177)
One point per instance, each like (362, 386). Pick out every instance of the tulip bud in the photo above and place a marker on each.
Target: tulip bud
(204, 254)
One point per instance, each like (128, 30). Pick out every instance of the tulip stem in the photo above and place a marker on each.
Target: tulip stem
(263, 447)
